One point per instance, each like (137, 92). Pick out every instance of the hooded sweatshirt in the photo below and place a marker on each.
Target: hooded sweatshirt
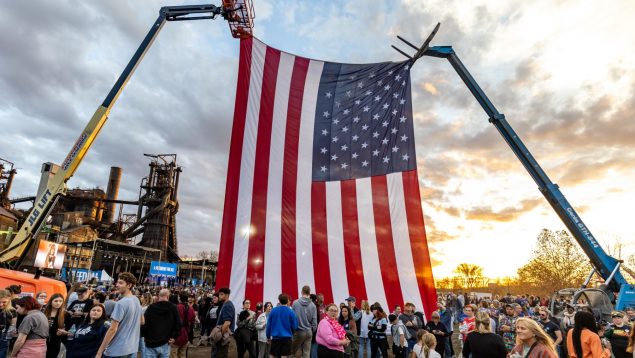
(306, 313)
(162, 322)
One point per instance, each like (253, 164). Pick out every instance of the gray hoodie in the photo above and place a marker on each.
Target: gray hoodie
(307, 314)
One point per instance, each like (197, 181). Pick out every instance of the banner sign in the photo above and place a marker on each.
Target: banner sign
(162, 268)
(49, 255)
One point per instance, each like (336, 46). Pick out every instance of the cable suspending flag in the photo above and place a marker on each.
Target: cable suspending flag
(322, 186)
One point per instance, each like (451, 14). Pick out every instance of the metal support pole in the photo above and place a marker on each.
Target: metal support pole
(588, 279)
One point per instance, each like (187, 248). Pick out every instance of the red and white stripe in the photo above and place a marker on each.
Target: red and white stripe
(281, 231)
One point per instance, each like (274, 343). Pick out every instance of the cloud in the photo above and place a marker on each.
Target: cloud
(507, 214)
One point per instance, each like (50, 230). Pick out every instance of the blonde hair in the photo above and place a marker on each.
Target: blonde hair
(6, 294)
(539, 333)
(365, 306)
(482, 322)
(429, 341)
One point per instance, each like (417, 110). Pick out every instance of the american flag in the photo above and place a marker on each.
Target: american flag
(322, 187)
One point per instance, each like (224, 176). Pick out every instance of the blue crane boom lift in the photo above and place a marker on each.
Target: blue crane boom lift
(606, 266)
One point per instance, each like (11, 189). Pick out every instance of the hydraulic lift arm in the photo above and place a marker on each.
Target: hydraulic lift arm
(606, 266)
(238, 13)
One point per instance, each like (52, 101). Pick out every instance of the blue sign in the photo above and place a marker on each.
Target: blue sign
(162, 268)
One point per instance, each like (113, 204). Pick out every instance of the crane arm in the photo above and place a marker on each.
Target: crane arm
(605, 265)
(238, 13)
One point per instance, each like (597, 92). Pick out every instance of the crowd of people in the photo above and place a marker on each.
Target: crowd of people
(130, 320)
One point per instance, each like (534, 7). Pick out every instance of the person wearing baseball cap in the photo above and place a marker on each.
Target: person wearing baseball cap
(357, 313)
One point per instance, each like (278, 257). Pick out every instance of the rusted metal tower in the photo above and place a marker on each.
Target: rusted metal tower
(6, 179)
(158, 205)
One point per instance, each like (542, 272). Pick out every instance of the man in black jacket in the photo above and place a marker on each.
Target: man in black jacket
(162, 326)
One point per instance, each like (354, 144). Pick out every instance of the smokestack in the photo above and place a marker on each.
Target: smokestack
(111, 193)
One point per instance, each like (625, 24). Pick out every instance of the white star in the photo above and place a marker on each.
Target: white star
(366, 108)
(360, 84)
(345, 129)
(386, 87)
(369, 92)
(328, 95)
(364, 163)
(390, 72)
(372, 74)
(326, 114)
(348, 93)
(357, 102)
(346, 111)
(402, 119)
(380, 82)
(384, 124)
(406, 67)
(384, 141)
(322, 168)
(364, 145)
(405, 157)
(364, 127)
(375, 134)
(395, 95)
(386, 159)
(323, 150)
(344, 147)
(403, 83)
(397, 77)
(375, 116)
(344, 165)
(404, 138)
(325, 132)
(375, 153)
(394, 112)
(352, 77)
(385, 106)
(336, 121)
(377, 98)
(354, 155)
(334, 157)
(355, 138)
(335, 139)
(402, 101)
(356, 119)
(393, 131)
(395, 149)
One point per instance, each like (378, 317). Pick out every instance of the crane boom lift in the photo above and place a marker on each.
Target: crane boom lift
(605, 265)
(238, 13)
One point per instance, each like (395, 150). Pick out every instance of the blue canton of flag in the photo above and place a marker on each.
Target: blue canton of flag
(363, 121)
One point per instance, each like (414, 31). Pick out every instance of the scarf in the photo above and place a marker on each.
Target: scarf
(568, 318)
(337, 327)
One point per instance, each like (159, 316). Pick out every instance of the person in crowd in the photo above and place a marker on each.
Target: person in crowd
(364, 342)
(226, 321)
(122, 338)
(631, 343)
(306, 313)
(482, 342)
(439, 331)
(145, 301)
(162, 326)
(532, 341)
(86, 340)
(245, 328)
(377, 331)
(212, 316)
(425, 347)
(191, 301)
(355, 312)
(507, 327)
(110, 304)
(331, 336)
(281, 324)
(550, 327)
(347, 321)
(40, 297)
(583, 340)
(32, 332)
(261, 327)
(413, 323)
(8, 318)
(99, 297)
(58, 319)
(618, 333)
(568, 319)
(79, 308)
(445, 317)
(399, 334)
(203, 309)
(72, 294)
(468, 323)
(630, 314)
(178, 348)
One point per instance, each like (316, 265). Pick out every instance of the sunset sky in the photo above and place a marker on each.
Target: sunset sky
(563, 72)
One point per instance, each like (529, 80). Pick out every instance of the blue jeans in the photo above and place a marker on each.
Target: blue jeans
(133, 355)
(364, 346)
(314, 349)
(157, 352)
(447, 352)
(411, 345)
(4, 347)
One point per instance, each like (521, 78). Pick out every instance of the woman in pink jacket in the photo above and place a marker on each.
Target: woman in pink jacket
(331, 336)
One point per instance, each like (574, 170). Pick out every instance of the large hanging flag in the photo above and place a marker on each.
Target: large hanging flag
(322, 185)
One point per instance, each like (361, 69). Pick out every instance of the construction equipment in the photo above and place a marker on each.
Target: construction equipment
(607, 267)
(238, 13)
